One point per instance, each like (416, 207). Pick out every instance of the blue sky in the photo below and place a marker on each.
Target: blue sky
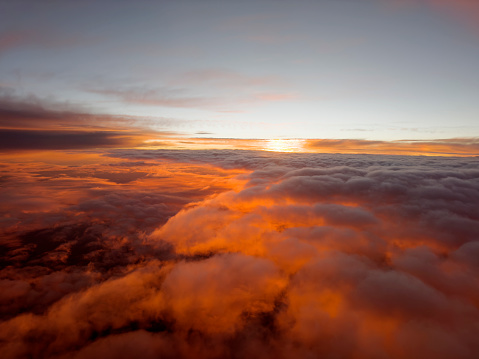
(371, 69)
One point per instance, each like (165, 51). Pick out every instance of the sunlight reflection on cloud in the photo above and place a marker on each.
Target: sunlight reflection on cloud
(214, 254)
(285, 145)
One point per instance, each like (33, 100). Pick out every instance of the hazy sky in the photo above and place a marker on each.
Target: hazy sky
(362, 69)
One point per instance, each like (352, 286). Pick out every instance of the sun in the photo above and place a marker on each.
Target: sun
(284, 145)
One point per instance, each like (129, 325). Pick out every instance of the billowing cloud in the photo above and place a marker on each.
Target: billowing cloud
(214, 254)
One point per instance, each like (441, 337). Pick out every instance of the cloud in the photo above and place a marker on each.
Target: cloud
(466, 12)
(215, 254)
(54, 140)
(13, 39)
(451, 147)
(32, 123)
(466, 147)
(159, 97)
(34, 113)
(266, 29)
(213, 89)
(179, 98)
(224, 78)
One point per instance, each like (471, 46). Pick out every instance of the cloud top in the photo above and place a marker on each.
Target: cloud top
(244, 254)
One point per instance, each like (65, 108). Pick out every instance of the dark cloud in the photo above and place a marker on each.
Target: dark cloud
(204, 133)
(32, 112)
(60, 140)
(33, 123)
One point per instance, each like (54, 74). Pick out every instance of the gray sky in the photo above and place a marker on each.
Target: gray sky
(364, 69)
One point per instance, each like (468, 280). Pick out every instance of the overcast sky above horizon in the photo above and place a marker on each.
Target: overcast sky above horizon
(365, 69)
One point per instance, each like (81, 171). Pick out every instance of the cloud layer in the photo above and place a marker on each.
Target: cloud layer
(32, 123)
(232, 254)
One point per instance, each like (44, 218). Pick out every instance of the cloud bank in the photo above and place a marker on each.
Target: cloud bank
(232, 254)
(32, 123)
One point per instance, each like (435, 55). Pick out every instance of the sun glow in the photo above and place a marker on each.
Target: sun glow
(283, 145)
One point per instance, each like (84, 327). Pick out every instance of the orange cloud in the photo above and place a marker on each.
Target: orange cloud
(214, 254)
(440, 147)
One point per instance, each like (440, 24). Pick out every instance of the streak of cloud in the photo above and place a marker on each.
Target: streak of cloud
(466, 12)
(179, 98)
(441, 147)
(51, 140)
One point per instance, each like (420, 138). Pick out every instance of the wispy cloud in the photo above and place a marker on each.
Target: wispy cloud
(224, 78)
(38, 38)
(466, 12)
(213, 89)
(266, 28)
(159, 97)
(240, 94)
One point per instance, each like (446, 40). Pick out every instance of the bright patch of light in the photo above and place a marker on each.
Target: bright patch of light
(282, 145)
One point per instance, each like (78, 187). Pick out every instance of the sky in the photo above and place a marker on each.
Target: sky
(239, 179)
(376, 70)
